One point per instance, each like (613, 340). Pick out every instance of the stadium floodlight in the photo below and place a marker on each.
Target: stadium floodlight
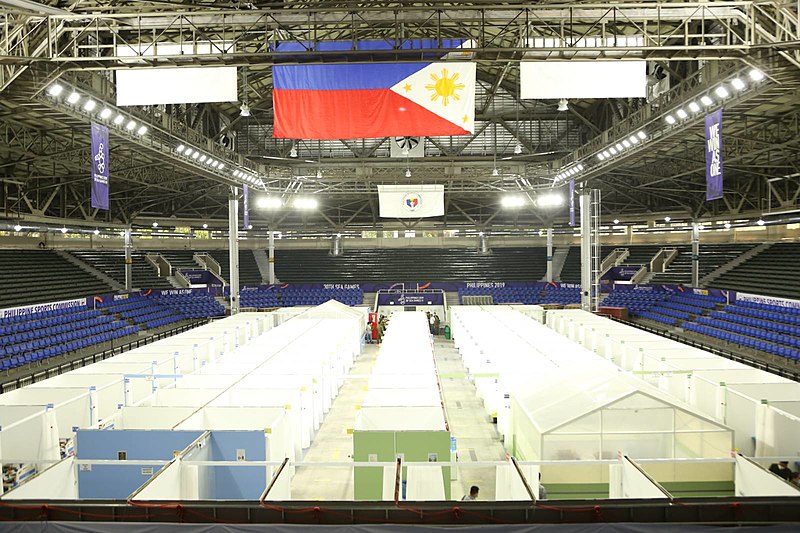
(626, 143)
(760, 222)
(682, 114)
(633, 139)
(214, 163)
(517, 149)
(96, 232)
(706, 100)
(408, 172)
(600, 157)
(64, 230)
(205, 226)
(89, 105)
(727, 225)
(305, 203)
(55, 90)
(249, 226)
(73, 98)
(512, 201)
(667, 219)
(188, 152)
(616, 221)
(203, 158)
(155, 224)
(738, 84)
(17, 228)
(221, 166)
(119, 119)
(641, 134)
(618, 146)
(269, 202)
(580, 166)
(756, 75)
(180, 148)
(722, 92)
(549, 200)
(130, 125)
(670, 119)
(694, 107)
(105, 113)
(613, 150)
(196, 154)
(495, 172)
(606, 154)
(142, 130)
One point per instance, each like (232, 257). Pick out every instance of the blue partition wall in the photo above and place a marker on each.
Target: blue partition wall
(118, 480)
(236, 482)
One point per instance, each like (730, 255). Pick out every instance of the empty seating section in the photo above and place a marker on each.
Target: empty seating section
(30, 338)
(712, 256)
(179, 259)
(410, 265)
(671, 308)
(525, 295)
(143, 311)
(634, 300)
(113, 264)
(773, 272)
(264, 297)
(193, 305)
(249, 274)
(571, 270)
(30, 276)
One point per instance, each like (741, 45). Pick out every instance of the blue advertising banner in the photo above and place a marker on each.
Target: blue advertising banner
(100, 165)
(571, 202)
(411, 298)
(713, 127)
(246, 206)
(620, 273)
(201, 277)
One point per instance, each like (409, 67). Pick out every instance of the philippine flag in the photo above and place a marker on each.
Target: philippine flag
(353, 101)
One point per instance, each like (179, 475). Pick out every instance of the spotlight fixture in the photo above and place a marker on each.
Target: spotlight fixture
(667, 219)
(517, 149)
(305, 203)
(130, 125)
(155, 224)
(73, 98)
(105, 113)
(641, 134)
(706, 100)
(760, 222)
(722, 92)
(681, 113)
(727, 225)
(563, 105)
(196, 154)
(601, 157)
(293, 152)
(626, 143)
(549, 200)
(203, 158)
(220, 166)
(244, 110)
(738, 84)
(119, 119)
(188, 152)
(618, 146)
(180, 148)
(606, 154)
(63, 230)
(408, 172)
(512, 201)
(205, 226)
(89, 105)
(17, 228)
(96, 232)
(616, 221)
(613, 150)
(142, 130)
(670, 119)
(495, 172)
(756, 75)
(633, 139)
(249, 226)
(269, 202)
(693, 107)
(55, 90)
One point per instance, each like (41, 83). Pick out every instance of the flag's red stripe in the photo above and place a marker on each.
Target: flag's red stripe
(353, 115)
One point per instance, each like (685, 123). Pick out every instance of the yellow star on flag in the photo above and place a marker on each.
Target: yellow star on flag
(407, 87)
(465, 119)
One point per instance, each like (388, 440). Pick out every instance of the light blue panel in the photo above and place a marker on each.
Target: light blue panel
(139, 444)
(238, 482)
(117, 482)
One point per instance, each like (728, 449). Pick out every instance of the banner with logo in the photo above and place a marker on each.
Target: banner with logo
(11, 312)
(246, 206)
(714, 155)
(571, 202)
(411, 201)
(99, 166)
(411, 298)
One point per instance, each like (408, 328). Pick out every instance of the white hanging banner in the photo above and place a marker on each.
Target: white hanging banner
(583, 79)
(411, 201)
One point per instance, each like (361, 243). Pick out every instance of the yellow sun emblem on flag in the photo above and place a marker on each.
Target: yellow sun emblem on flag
(445, 87)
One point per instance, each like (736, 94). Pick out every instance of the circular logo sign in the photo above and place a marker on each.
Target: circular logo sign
(412, 201)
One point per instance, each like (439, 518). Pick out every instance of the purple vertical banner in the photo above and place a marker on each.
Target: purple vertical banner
(99, 166)
(246, 207)
(714, 155)
(571, 202)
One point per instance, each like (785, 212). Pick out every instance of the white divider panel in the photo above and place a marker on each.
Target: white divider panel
(425, 483)
(752, 480)
(510, 487)
(57, 483)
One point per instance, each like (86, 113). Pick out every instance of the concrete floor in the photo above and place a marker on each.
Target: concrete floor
(476, 435)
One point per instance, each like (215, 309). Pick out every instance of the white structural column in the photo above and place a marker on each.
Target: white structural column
(128, 248)
(586, 250)
(695, 254)
(483, 243)
(336, 249)
(549, 255)
(271, 257)
(233, 247)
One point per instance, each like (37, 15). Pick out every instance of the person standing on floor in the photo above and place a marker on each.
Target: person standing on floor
(430, 322)
(436, 323)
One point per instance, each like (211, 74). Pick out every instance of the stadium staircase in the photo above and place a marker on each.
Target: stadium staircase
(559, 258)
(111, 282)
(113, 264)
(712, 257)
(772, 272)
(249, 273)
(709, 278)
(262, 260)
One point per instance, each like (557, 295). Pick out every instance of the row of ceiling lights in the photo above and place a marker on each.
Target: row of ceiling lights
(721, 91)
(90, 106)
(512, 201)
(622, 145)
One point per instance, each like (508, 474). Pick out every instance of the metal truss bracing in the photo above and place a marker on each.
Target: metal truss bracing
(518, 145)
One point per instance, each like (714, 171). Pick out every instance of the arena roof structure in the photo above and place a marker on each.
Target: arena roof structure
(519, 146)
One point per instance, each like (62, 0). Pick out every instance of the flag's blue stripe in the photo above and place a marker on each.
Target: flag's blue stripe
(388, 44)
(342, 77)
